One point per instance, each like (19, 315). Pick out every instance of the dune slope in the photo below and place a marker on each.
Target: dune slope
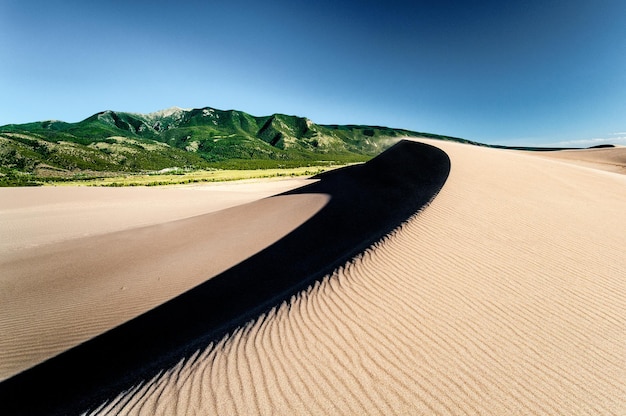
(612, 159)
(365, 203)
(505, 296)
(56, 296)
(35, 216)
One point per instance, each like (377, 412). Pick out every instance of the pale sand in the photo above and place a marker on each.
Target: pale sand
(34, 216)
(65, 289)
(612, 159)
(507, 295)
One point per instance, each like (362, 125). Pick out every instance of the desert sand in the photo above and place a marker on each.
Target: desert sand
(34, 216)
(612, 159)
(78, 261)
(504, 295)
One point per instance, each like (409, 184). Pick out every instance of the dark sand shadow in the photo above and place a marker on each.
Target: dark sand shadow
(367, 202)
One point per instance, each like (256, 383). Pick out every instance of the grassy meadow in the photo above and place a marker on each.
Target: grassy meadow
(191, 177)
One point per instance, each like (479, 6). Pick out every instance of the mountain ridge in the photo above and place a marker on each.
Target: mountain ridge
(197, 138)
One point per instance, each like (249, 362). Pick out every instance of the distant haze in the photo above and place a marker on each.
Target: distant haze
(513, 73)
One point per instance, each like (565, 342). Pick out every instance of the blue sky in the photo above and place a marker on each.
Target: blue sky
(518, 72)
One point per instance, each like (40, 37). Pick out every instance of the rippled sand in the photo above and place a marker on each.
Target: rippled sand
(505, 296)
(76, 262)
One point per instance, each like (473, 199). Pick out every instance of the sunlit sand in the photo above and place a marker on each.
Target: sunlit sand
(79, 261)
(505, 295)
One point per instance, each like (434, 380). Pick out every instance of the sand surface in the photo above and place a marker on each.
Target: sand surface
(79, 261)
(612, 159)
(505, 296)
(34, 216)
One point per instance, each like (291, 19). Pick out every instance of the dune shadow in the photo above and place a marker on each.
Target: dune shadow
(367, 202)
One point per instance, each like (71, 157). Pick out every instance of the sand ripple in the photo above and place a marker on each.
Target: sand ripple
(505, 296)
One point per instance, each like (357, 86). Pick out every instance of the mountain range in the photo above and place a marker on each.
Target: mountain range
(113, 141)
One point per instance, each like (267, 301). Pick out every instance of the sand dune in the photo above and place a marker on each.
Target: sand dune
(612, 159)
(366, 202)
(31, 217)
(506, 295)
(55, 296)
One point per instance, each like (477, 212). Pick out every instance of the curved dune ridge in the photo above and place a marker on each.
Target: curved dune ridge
(361, 205)
(56, 296)
(35, 216)
(505, 296)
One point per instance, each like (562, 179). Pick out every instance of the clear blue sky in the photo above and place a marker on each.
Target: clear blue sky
(509, 72)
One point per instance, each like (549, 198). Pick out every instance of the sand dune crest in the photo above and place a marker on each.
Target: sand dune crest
(58, 295)
(504, 296)
(366, 202)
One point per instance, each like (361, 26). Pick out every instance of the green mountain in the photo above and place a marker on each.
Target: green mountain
(114, 142)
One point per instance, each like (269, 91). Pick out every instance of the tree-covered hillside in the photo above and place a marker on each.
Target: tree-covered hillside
(110, 142)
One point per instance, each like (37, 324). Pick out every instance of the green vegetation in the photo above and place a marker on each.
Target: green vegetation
(198, 176)
(122, 144)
